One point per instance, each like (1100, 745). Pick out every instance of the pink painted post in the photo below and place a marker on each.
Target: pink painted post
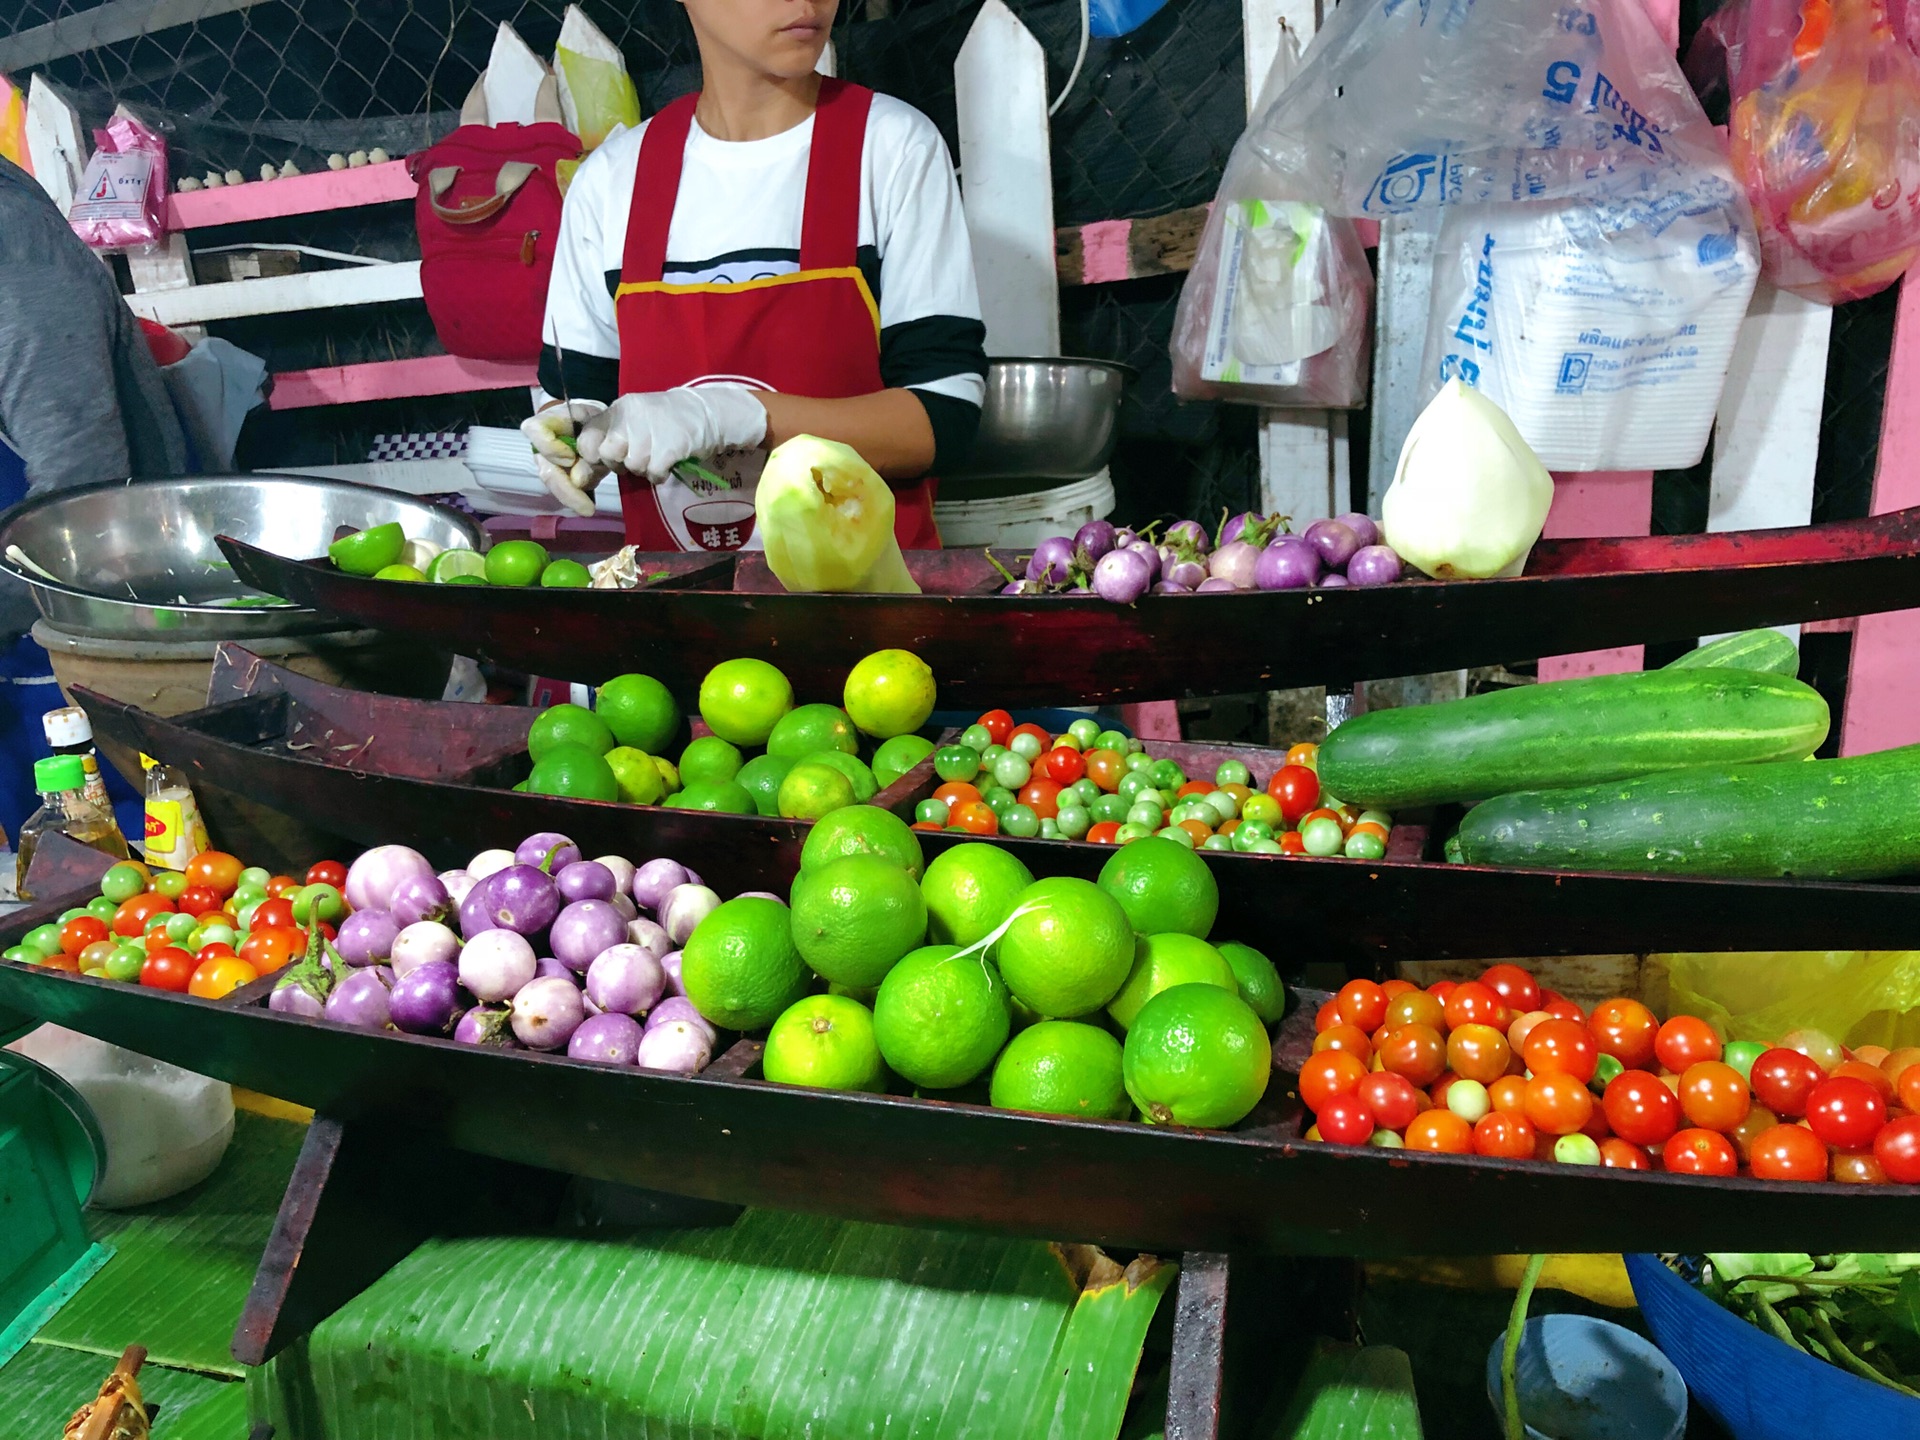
(1152, 720)
(1883, 683)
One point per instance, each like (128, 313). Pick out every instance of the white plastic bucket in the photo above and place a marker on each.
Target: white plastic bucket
(1016, 520)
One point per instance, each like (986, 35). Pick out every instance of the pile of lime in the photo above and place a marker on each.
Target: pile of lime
(968, 978)
(383, 552)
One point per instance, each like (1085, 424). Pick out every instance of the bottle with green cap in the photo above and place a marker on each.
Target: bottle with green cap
(61, 781)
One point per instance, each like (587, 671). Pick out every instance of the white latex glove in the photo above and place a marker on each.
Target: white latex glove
(568, 478)
(650, 434)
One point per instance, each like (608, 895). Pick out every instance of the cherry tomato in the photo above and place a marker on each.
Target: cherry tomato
(1391, 1099)
(1292, 842)
(1504, 1136)
(977, 818)
(1895, 1065)
(276, 914)
(1344, 1120)
(1521, 1026)
(96, 955)
(954, 792)
(1846, 1113)
(1787, 1152)
(1872, 1074)
(1783, 1079)
(1714, 1096)
(1558, 1104)
(1617, 1154)
(1759, 1120)
(1414, 1007)
(327, 872)
(1897, 1148)
(1103, 832)
(131, 918)
(197, 900)
(1362, 1003)
(1700, 1152)
(168, 883)
(998, 724)
(216, 978)
(1874, 1055)
(1508, 1094)
(1397, 986)
(1475, 1004)
(1345, 1037)
(1046, 740)
(1297, 788)
(168, 969)
(1685, 1040)
(214, 870)
(1909, 1087)
(1563, 1046)
(1440, 989)
(1330, 1073)
(1515, 986)
(1106, 768)
(1415, 1051)
(1065, 766)
(1043, 796)
(1816, 1045)
(80, 932)
(269, 950)
(1478, 1052)
(1857, 1167)
(1440, 1131)
(218, 950)
(1305, 753)
(1199, 830)
(1625, 1029)
(1326, 1017)
(1561, 1008)
(1640, 1109)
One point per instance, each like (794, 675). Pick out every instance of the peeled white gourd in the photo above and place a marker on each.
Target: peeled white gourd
(1469, 497)
(826, 518)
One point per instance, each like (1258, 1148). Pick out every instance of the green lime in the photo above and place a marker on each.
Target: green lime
(969, 890)
(1161, 962)
(369, 551)
(1163, 887)
(460, 564)
(1061, 1067)
(398, 572)
(636, 775)
(565, 575)
(889, 693)
(762, 776)
(568, 725)
(639, 710)
(939, 1019)
(727, 796)
(1196, 1055)
(810, 790)
(709, 758)
(863, 830)
(739, 966)
(669, 773)
(826, 1041)
(897, 756)
(742, 700)
(806, 729)
(1259, 982)
(865, 787)
(516, 562)
(854, 917)
(466, 580)
(1068, 948)
(575, 772)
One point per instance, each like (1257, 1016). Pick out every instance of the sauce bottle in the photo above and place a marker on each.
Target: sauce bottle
(61, 781)
(175, 831)
(69, 732)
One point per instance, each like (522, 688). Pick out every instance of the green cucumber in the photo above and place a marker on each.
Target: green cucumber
(1766, 651)
(1570, 732)
(1851, 819)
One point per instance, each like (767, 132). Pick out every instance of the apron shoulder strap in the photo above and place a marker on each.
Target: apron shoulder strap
(830, 231)
(656, 186)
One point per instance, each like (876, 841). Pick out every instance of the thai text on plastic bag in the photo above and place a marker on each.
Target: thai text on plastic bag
(1825, 133)
(1275, 311)
(1860, 997)
(122, 200)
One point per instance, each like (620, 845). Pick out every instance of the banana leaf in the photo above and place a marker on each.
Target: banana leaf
(779, 1325)
(43, 1385)
(1351, 1392)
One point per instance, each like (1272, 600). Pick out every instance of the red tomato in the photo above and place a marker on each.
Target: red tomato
(1783, 1079)
(998, 724)
(1625, 1029)
(1290, 841)
(214, 870)
(327, 872)
(1330, 1073)
(1042, 797)
(1478, 1052)
(1514, 985)
(218, 950)
(1714, 1096)
(80, 932)
(1347, 1038)
(1046, 740)
(1297, 789)
(216, 978)
(1617, 1154)
(1563, 1046)
(1897, 1148)
(1640, 1109)
(1846, 1113)
(1106, 768)
(1521, 1026)
(1398, 986)
(1474, 1004)
(1508, 1095)
(1558, 1104)
(1362, 1003)
(268, 950)
(1872, 1074)
(1440, 1131)
(1909, 1087)
(1504, 1136)
(1414, 1007)
(1700, 1152)
(278, 885)
(1562, 1008)
(1344, 1120)
(168, 969)
(131, 917)
(1440, 989)
(1326, 1017)
(273, 914)
(954, 792)
(1103, 832)
(1787, 1152)
(1391, 1099)
(1685, 1040)
(1857, 1167)
(976, 817)
(1415, 1051)
(197, 900)
(1064, 766)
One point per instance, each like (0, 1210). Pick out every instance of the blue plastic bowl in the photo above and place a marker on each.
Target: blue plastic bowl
(1054, 722)
(1757, 1387)
(1586, 1379)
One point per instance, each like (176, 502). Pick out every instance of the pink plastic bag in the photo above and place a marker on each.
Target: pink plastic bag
(122, 201)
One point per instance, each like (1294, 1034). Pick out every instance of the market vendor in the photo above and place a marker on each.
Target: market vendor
(780, 254)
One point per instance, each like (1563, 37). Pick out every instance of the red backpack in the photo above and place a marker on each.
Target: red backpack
(488, 213)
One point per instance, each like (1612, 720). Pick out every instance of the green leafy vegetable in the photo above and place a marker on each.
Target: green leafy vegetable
(1860, 1312)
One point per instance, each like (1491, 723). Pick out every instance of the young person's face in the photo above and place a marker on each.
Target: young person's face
(781, 38)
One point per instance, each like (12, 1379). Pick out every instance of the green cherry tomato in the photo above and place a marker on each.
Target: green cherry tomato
(124, 966)
(1086, 732)
(168, 883)
(44, 938)
(1026, 745)
(1136, 747)
(1376, 817)
(74, 914)
(1147, 814)
(1265, 847)
(1741, 1054)
(1013, 769)
(121, 884)
(1050, 829)
(956, 762)
(1074, 821)
(1247, 832)
(1223, 806)
(1137, 761)
(976, 737)
(1020, 821)
(1319, 837)
(1604, 1072)
(1068, 741)
(1167, 774)
(1130, 832)
(1191, 810)
(244, 912)
(1217, 842)
(155, 921)
(1232, 772)
(1576, 1149)
(1262, 807)
(1110, 807)
(1111, 740)
(1086, 790)
(927, 812)
(1175, 834)
(215, 935)
(179, 926)
(999, 799)
(1363, 845)
(322, 901)
(253, 876)
(22, 955)
(1147, 795)
(991, 754)
(101, 908)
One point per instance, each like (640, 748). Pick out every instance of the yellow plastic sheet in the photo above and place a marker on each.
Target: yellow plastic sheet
(13, 124)
(1599, 1278)
(1861, 997)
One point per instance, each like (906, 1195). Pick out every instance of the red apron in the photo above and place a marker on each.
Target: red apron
(815, 332)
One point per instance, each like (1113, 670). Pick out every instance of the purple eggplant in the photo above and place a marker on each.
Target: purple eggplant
(426, 999)
(547, 851)
(523, 899)
(610, 1039)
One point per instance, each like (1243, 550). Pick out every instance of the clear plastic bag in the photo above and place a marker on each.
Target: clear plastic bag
(122, 200)
(1824, 128)
(597, 96)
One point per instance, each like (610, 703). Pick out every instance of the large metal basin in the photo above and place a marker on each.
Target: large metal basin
(137, 559)
(1046, 420)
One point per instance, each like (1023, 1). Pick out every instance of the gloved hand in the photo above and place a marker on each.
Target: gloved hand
(568, 478)
(649, 434)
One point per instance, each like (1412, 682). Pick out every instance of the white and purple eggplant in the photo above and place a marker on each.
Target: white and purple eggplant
(1374, 565)
(522, 898)
(426, 1000)
(373, 879)
(1290, 563)
(489, 1025)
(608, 1039)
(546, 850)
(546, 1012)
(677, 1046)
(626, 979)
(1123, 576)
(366, 937)
(653, 880)
(423, 943)
(495, 964)
(360, 999)
(583, 930)
(684, 907)
(421, 897)
(679, 1007)
(586, 880)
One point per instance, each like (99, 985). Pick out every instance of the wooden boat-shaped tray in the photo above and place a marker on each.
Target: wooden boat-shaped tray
(376, 769)
(726, 1135)
(988, 649)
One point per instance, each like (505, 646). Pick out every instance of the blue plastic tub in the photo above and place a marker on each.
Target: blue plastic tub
(1054, 722)
(1581, 1378)
(1757, 1387)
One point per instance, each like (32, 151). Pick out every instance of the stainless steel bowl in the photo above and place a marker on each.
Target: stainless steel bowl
(1046, 420)
(137, 560)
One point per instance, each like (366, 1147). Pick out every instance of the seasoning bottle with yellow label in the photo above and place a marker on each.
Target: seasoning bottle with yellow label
(175, 833)
(64, 807)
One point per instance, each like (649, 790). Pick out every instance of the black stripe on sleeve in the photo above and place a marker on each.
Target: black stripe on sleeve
(954, 423)
(584, 377)
(931, 348)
